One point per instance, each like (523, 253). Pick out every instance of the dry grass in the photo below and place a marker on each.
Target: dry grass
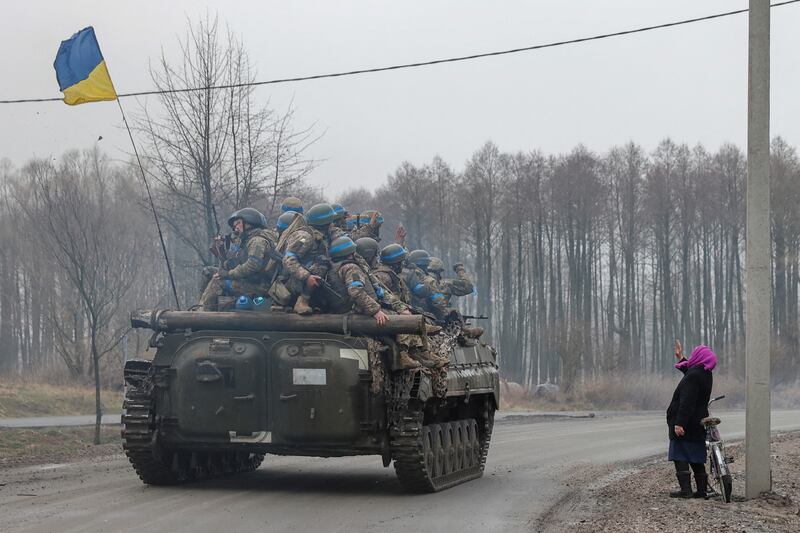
(633, 392)
(39, 399)
(30, 446)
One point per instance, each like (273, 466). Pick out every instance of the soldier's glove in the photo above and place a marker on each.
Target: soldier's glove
(458, 266)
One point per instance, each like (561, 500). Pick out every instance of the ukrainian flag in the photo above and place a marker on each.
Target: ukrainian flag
(81, 70)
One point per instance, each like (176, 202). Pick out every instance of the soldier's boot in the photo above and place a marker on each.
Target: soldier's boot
(472, 331)
(442, 362)
(407, 362)
(302, 306)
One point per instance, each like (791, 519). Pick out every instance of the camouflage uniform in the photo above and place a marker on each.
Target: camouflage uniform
(360, 291)
(394, 283)
(447, 288)
(249, 277)
(365, 230)
(386, 295)
(306, 255)
(421, 284)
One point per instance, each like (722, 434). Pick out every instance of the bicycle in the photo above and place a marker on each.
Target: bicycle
(720, 475)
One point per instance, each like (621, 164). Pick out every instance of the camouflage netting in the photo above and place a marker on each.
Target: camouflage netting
(379, 381)
(439, 348)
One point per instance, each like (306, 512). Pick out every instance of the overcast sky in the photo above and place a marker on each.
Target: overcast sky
(689, 83)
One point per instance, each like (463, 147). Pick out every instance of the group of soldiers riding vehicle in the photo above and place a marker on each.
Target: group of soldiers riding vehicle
(324, 260)
(310, 338)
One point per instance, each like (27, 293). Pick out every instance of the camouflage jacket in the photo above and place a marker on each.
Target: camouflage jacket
(365, 230)
(386, 296)
(394, 283)
(439, 301)
(460, 286)
(421, 284)
(256, 245)
(359, 288)
(307, 247)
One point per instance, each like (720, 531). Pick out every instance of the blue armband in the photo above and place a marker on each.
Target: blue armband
(418, 288)
(356, 284)
(290, 254)
(380, 292)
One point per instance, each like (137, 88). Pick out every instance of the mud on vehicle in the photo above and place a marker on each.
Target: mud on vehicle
(226, 388)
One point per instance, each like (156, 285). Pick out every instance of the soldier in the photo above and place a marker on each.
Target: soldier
(367, 224)
(360, 291)
(305, 261)
(292, 203)
(447, 288)
(367, 257)
(248, 277)
(285, 220)
(340, 221)
(389, 270)
(421, 284)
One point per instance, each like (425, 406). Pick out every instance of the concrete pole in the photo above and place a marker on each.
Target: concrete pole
(758, 250)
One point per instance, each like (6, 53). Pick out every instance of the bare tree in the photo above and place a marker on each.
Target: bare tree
(211, 149)
(78, 221)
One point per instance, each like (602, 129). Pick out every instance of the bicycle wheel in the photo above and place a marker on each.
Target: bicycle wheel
(727, 486)
(719, 470)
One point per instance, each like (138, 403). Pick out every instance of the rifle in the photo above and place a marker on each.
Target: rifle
(330, 292)
(475, 317)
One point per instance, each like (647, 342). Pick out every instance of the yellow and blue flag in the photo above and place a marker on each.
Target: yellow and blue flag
(81, 70)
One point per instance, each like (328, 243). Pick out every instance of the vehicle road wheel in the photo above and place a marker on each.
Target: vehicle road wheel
(449, 448)
(439, 451)
(428, 451)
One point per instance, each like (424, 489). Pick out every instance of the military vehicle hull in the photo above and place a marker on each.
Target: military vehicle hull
(214, 402)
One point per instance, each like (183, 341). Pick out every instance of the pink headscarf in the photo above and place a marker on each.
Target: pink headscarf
(701, 355)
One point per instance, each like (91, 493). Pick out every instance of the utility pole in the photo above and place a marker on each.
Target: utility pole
(758, 250)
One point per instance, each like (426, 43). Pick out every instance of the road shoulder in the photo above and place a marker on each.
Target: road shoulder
(634, 497)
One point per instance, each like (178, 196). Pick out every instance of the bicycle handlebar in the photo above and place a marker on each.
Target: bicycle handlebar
(715, 399)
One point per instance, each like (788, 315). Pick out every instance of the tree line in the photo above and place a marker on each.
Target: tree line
(587, 263)
(590, 263)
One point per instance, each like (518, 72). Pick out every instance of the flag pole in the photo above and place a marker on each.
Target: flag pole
(152, 205)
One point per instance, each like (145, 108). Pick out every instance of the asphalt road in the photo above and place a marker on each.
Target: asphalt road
(530, 461)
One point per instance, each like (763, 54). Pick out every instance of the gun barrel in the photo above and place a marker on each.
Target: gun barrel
(171, 321)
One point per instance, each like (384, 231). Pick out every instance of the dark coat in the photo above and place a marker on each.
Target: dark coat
(690, 403)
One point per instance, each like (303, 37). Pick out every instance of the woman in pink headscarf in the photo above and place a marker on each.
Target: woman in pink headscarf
(689, 405)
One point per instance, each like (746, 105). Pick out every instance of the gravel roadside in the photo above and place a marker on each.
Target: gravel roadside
(627, 498)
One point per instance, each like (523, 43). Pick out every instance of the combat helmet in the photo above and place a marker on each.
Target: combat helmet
(341, 247)
(339, 210)
(420, 258)
(365, 217)
(286, 219)
(435, 265)
(367, 248)
(320, 215)
(292, 203)
(250, 216)
(393, 254)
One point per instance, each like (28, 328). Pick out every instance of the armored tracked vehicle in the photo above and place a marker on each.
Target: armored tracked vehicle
(226, 388)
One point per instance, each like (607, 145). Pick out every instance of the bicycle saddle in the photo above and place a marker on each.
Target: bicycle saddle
(710, 421)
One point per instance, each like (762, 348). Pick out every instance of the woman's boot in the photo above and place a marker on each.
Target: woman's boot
(701, 480)
(685, 482)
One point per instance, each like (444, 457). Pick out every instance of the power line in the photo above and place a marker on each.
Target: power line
(421, 63)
